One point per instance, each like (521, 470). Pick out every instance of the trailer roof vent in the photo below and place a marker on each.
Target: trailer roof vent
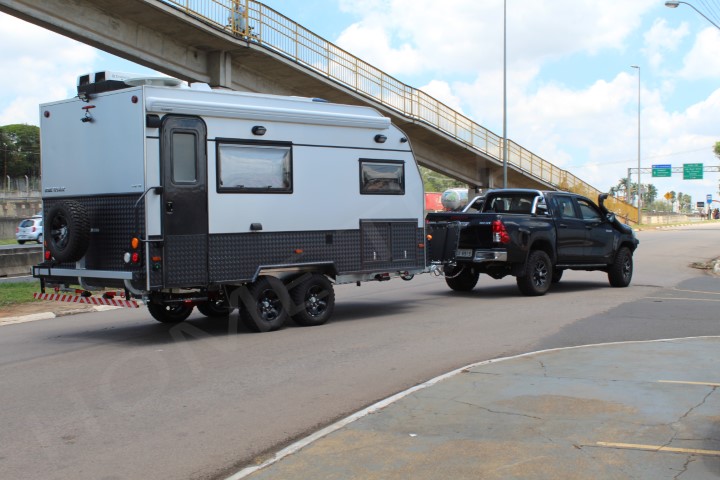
(107, 81)
(154, 81)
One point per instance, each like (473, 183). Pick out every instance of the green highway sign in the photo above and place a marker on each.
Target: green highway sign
(692, 171)
(662, 170)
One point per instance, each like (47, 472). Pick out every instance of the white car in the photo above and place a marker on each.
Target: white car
(30, 229)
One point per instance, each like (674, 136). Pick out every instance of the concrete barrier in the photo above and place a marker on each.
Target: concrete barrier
(19, 260)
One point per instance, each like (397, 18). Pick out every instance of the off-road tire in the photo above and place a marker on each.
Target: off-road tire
(621, 270)
(263, 304)
(170, 313)
(214, 309)
(313, 301)
(68, 228)
(462, 280)
(537, 277)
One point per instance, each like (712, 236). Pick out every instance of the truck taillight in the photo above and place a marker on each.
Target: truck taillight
(499, 232)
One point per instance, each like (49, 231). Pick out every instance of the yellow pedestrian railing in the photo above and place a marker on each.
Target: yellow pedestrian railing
(255, 22)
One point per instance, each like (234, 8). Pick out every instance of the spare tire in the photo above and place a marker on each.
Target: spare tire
(67, 231)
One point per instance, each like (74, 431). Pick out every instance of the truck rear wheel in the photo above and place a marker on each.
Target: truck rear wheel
(170, 313)
(537, 277)
(315, 300)
(263, 310)
(621, 270)
(69, 231)
(461, 278)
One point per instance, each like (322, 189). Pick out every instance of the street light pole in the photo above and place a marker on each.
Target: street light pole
(674, 4)
(638, 149)
(505, 148)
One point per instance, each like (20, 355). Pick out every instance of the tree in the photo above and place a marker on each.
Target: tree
(437, 182)
(20, 150)
(650, 194)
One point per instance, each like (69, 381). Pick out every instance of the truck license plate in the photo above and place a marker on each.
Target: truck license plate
(464, 252)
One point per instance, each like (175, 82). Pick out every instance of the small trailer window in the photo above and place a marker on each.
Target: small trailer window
(382, 177)
(254, 168)
(184, 166)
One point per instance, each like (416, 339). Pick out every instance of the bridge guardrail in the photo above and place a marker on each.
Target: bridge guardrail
(261, 24)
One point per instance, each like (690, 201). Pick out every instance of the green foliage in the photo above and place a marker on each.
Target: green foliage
(437, 182)
(20, 292)
(20, 150)
(716, 149)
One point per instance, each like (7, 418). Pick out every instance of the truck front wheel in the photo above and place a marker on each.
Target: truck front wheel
(537, 277)
(621, 270)
(461, 278)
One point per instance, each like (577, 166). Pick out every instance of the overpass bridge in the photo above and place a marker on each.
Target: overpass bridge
(245, 45)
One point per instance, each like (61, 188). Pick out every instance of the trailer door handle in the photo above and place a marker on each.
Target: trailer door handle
(169, 207)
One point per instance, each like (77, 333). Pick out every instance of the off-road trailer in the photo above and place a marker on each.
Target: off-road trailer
(185, 196)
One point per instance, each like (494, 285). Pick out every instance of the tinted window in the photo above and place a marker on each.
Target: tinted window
(511, 203)
(254, 168)
(588, 210)
(184, 167)
(382, 177)
(565, 207)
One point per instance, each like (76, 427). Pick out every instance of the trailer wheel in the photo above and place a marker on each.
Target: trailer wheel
(69, 231)
(314, 299)
(621, 270)
(263, 309)
(214, 309)
(461, 278)
(170, 313)
(537, 277)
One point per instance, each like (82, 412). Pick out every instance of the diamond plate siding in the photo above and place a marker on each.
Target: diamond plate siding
(112, 225)
(390, 245)
(236, 257)
(185, 261)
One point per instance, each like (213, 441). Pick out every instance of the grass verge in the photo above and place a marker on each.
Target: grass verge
(15, 293)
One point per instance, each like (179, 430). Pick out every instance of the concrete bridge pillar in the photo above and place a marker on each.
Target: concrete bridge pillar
(220, 68)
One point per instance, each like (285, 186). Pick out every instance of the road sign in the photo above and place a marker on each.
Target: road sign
(692, 171)
(709, 198)
(700, 204)
(668, 196)
(664, 170)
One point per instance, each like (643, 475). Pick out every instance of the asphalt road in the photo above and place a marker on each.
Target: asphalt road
(116, 395)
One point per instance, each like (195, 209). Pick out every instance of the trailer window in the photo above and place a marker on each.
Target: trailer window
(184, 166)
(254, 168)
(382, 177)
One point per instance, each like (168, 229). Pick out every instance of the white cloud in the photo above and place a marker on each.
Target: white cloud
(702, 60)
(38, 66)
(661, 39)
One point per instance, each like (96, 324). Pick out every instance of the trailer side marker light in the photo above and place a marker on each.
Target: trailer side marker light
(421, 245)
(47, 255)
(135, 257)
(429, 237)
(134, 99)
(46, 114)
(135, 243)
(156, 259)
(298, 251)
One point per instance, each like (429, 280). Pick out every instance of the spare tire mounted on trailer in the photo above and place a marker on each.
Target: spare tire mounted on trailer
(67, 231)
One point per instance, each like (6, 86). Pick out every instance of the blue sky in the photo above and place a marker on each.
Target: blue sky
(572, 96)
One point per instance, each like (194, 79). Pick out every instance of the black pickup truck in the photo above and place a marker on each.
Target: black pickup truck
(533, 235)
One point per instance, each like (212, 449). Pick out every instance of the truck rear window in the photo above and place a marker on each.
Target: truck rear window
(511, 203)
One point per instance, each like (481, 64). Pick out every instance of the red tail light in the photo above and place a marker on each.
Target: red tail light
(499, 232)
(34, 228)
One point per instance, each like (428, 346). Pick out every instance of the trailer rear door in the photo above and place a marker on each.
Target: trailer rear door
(183, 155)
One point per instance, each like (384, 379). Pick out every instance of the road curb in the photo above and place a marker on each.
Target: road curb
(48, 315)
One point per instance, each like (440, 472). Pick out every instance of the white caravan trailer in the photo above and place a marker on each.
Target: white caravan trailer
(191, 197)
